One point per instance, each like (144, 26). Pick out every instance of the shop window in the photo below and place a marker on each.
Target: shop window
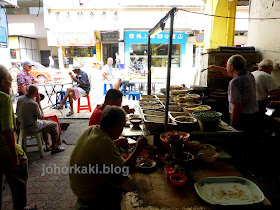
(159, 54)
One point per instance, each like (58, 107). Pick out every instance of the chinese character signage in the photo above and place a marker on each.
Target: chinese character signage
(110, 37)
(71, 38)
(160, 38)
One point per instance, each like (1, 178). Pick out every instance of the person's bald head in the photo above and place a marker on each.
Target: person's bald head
(32, 90)
(266, 66)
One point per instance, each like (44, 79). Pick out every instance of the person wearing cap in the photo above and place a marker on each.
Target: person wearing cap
(82, 89)
(25, 79)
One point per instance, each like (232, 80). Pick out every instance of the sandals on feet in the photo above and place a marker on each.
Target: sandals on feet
(31, 207)
(57, 107)
(57, 150)
(69, 113)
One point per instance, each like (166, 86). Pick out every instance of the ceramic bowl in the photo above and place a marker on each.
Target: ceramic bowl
(146, 165)
(208, 156)
(184, 158)
(159, 159)
(150, 149)
(195, 145)
(135, 121)
(178, 179)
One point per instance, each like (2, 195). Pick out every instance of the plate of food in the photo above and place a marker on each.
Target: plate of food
(228, 191)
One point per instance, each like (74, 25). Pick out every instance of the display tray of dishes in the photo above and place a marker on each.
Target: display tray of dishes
(149, 100)
(189, 103)
(182, 114)
(177, 92)
(162, 96)
(153, 112)
(186, 98)
(156, 123)
(175, 108)
(148, 96)
(228, 191)
(171, 103)
(194, 108)
(150, 106)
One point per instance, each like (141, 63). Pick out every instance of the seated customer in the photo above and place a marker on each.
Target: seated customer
(113, 98)
(108, 76)
(29, 110)
(95, 149)
(82, 89)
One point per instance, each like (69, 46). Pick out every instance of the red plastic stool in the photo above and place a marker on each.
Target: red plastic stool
(84, 107)
(54, 118)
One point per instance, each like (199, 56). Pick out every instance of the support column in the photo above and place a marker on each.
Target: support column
(220, 31)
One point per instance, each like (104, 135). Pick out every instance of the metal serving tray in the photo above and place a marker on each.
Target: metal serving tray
(228, 191)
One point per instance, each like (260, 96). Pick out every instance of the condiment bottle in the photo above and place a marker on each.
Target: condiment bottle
(182, 171)
(176, 168)
(167, 165)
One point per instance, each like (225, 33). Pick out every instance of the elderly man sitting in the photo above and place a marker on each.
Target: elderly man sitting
(108, 76)
(29, 110)
(97, 185)
(82, 89)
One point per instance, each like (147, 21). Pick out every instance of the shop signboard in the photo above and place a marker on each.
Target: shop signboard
(110, 36)
(141, 37)
(71, 38)
(3, 29)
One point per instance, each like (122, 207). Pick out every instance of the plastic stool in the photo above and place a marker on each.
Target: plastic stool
(134, 95)
(59, 97)
(105, 88)
(54, 118)
(84, 107)
(39, 138)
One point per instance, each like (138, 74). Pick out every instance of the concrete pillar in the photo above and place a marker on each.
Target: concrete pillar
(60, 58)
(220, 31)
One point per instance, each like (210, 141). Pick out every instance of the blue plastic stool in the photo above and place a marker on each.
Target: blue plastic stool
(59, 97)
(134, 95)
(124, 91)
(105, 88)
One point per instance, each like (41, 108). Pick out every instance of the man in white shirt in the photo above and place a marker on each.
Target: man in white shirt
(265, 84)
(108, 76)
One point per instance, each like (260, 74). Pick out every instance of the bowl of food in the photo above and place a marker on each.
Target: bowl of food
(184, 158)
(190, 103)
(150, 149)
(135, 121)
(146, 165)
(208, 155)
(207, 115)
(164, 137)
(178, 179)
(134, 116)
(195, 145)
(159, 159)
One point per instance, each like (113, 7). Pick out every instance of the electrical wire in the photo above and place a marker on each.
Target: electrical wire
(38, 9)
(200, 13)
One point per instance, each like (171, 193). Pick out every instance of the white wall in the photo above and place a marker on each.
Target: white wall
(43, 45)
(264, 34)
(26, 25)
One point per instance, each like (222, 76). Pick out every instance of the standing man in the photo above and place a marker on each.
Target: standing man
(243, 105)
(25, 79)
(82, 89)
(265, 84)
(29, 110)
(118, 61)
(95, 149)
(108, 76)
(12, 164)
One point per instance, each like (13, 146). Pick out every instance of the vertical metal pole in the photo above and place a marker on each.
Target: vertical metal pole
(149, 66)
(169, 68)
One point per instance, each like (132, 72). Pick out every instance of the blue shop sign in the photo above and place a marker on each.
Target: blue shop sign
(141, 37)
